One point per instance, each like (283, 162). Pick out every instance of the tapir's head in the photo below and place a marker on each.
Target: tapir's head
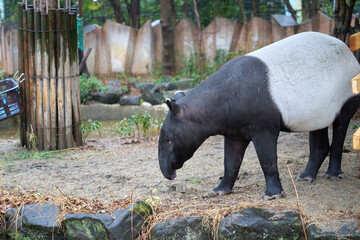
(179, 138)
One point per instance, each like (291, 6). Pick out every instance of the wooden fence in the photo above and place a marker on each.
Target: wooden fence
(48, 56)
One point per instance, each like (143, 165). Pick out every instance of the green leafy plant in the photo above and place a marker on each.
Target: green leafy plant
(138, 126)
(89, 85)
(195, 181)
(90, 126)
(153, 200)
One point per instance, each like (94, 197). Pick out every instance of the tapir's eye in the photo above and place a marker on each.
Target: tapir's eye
(169, 143)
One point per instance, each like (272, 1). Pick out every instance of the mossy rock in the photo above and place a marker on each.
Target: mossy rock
(347, 231)
(182, 228)
(256, 223)
(85, 228)
(125, 224)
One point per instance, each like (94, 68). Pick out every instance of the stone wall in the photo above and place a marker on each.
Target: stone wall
(118, 48)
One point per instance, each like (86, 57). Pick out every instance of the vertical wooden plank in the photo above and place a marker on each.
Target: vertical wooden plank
(39, 84)
(60, 79)
(74, 62)
(31, 67)
(46, 75)
(52, 43)
(21, 70)
(27, 79)
(67, 80)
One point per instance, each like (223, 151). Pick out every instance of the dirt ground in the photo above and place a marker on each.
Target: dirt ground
(110, 168)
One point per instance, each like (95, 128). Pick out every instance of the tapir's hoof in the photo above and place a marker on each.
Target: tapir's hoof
(299, 178)
(221, 193)
(217, 193)
(276, 196)
(334, 178)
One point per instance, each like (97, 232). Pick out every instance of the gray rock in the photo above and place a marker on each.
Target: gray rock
(130, 100)
(185, 83)
(151, 93)
(125, 224)
(114, 82)
(347, 231)
(167, 78)
(34, 220)
(111, 96)
(182, 228)
(168, 86)
(255, 223)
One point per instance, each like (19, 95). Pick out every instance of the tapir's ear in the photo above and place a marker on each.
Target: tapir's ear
(178, 95)
(174, 108)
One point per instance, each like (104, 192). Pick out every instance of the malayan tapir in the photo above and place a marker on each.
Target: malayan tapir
(300, 83)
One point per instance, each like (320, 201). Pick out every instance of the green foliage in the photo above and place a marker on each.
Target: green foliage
(90, 126)
(195, 181)
(89, 85)
(138, 126)
(35, 155)
(327, 6)
(153, 200)
(191, 69)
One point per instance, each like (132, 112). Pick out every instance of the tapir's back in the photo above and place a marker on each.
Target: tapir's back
(309, 78)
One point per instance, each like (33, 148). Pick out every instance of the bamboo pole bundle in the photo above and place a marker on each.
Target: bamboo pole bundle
(74, 71)
(67, 77)
(51, 94)
(60, 79)
(22, 70)
(46, 74)
(39, 83)
(53, 110)
(31, 69)
(27, 79)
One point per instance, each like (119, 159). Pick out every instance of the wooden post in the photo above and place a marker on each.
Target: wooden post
(39, 81)
(60, 80)
(46, 75)
(52, 43)
(67, 79)
(27, 79)
(51, 93)
(22, 70)
(31, 72)
(74, 71)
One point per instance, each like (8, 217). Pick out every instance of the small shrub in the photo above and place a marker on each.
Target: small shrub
(89, 85)
(138, 126)
(90, 126)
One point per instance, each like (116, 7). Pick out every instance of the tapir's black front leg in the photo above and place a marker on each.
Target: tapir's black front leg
(340, 127)
(234, 153)
(319, 149)
(266, 149)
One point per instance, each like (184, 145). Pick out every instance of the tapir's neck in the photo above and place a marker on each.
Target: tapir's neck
(204, 110)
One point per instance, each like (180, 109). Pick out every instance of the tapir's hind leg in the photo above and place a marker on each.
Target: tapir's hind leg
(266, 146)
(319, 149)
(340, 127)
(234, 153)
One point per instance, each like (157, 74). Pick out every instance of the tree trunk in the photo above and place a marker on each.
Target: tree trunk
(199, 32)
(186, 8)
(134, 13)
(173, 10)
(291, 10)
(305, 5)
(253, 8)
(342, 16)
(314, 8)
(168, 38)
(242, 11)
(119, 17)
